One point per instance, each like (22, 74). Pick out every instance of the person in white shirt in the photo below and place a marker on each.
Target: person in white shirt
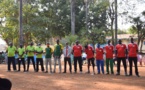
(67, 57)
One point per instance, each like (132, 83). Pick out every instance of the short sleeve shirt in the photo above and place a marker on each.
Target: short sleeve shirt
(132, 49)
(11, 51)
(58, 50)
(99, 53)
(48, 51)
(77, 50)
(109, 51)
(21, 51)
(39, 50)
(31, 50)
(89, 52)
(121, 50)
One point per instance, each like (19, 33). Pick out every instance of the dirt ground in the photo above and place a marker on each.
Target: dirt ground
(43, 81)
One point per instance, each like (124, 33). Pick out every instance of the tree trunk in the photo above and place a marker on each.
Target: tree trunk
(73, 17)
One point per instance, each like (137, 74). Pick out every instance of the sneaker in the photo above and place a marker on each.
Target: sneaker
(107, 73)
(88, 72)
(81, 72)
(112, 73)
(15, 71)
(126, 74)
(117, 73)
(137, 75)
(8, 70)
(46, 71)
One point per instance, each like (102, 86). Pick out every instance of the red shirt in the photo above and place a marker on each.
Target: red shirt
(109, 51)
(89, 52)
(121, 50)
(77, 50)
(132, 48)
(99, 53)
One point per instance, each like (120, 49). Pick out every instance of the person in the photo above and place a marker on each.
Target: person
(39, 59)
(30, 53)
(132, 54)
(90, 57)
(48, 55)
(99, 59)
(57, 54)
(77, 52)
(109, 57)
(5, 84)
(67, 54)
(21, 52)
(121, 53)
(11, 50)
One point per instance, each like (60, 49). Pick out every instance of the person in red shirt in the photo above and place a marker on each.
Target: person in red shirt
(90, 56)
(121, 53)
(99, 59)
(77, 52)
(109, 50)
(132, 54)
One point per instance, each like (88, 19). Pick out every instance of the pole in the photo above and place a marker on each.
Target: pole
(20, 23)
(116, 22)
(73, 17)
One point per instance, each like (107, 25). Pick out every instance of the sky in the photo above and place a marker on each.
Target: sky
(139, 7)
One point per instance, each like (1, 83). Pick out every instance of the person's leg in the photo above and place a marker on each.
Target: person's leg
(118, 66)
(75, 64)
(136, 67)
(19, 64)
(23, 62)
(98, 66)
(130, 66)
(41, 63)
(89, 60)
(65, 59)
(70, 67)
(28, 63)
(9, 63)
(107, 66)
(55, 59)
(93, 65)
(46, 64)
(13, 62)
(111, 66)
(124, 65)
(59, 62)
(102, 66)
(80, 63)
(50, 65)
(33, 62)
(37, 64)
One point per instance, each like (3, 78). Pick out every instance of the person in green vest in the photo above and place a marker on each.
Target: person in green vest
(21, 53)
(57, 53)
(30, 53)
(39, 52)
(48, 55)
(11, 50)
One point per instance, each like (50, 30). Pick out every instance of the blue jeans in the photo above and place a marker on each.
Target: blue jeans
(100, 63)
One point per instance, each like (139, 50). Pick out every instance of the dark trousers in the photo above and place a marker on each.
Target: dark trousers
(11, 60)
(133, 59)
(91, 60)
(79, 60)
(30, 58)
(41, 63)
(19, 64)
(66, 59)
(123, 59)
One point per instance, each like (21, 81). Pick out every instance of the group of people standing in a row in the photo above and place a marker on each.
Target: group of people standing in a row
(120, 50)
